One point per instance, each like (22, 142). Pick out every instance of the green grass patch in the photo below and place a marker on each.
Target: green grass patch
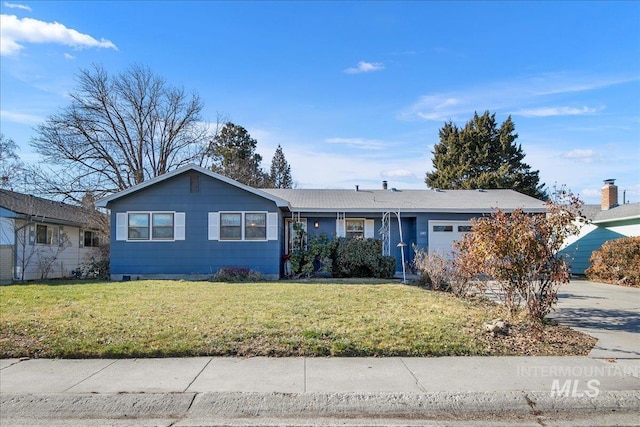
(180, 318)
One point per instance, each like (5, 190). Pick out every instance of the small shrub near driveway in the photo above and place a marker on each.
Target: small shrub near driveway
(520, 252)
(442, 273)
(617, 261)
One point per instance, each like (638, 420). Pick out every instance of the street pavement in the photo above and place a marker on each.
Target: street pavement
(453, 391)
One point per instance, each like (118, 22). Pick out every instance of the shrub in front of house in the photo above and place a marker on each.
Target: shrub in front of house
(362, 258)
(317, 257)
(617, 261)
(236, 274)
(433, 269)
(441, 273)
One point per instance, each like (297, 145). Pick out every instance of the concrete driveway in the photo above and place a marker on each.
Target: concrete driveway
(609, 313)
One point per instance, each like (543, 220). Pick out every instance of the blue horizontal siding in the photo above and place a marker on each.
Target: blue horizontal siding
(579, 253)
(415, 228)
(196, 255)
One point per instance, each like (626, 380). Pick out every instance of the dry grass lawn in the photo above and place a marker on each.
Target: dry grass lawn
(179, 318)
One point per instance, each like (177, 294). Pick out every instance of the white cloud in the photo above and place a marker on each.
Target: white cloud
(26, 119)
(397, 173)
(14, 32)
(318, 164)
(556, 111)
(69, 56)
(361, 143)
(509, 96)
(365, 67)
(325, 169)
(583, 155)
(17, 6)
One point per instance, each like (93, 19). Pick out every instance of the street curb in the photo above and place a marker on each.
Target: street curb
(209, 406)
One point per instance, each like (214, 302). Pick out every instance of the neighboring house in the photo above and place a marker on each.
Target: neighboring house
(191, 222)
(42, 238)
(607, 221)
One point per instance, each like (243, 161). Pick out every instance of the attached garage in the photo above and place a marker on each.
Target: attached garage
(442, 235)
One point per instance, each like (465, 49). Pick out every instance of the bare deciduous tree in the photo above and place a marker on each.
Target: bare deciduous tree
(118, 131)
(10, 165)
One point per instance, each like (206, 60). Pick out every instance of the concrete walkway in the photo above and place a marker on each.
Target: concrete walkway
(275, 391)
(608, 312)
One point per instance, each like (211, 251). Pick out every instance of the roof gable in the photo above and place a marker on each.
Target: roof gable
(104, 202)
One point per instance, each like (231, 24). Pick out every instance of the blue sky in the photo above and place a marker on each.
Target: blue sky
(355, 92)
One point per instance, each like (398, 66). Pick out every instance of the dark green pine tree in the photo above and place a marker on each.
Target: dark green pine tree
(482, 155)
(280, 176)
(233, 154)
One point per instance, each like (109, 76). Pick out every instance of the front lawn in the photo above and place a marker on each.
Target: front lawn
(179, 318)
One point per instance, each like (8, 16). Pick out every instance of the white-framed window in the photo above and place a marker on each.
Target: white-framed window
(150, 226)
(242, 226)
(47, 235)
(354, 228)
(138, 226)
(230, 225)
(162, 226)
(90, 239)
(255, 226)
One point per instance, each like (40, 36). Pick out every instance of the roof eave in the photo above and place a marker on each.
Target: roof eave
(625, 218)
(48, 220)
(412, 210)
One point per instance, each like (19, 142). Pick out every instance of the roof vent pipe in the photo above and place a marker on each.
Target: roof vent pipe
(357, 188)
(384, 185)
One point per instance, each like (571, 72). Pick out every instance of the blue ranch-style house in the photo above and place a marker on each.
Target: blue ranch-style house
(191, 222)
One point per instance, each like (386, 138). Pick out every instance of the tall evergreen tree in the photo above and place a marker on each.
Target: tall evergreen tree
(233, 154)
(280, 176)
(482, 155)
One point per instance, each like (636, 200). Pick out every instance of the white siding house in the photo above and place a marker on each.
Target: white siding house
(42, 239)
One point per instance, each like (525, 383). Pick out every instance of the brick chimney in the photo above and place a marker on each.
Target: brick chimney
(609, 194)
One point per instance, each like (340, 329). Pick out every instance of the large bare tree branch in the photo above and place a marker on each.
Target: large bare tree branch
(118, 131)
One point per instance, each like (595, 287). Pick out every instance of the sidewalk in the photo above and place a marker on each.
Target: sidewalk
(305, 391)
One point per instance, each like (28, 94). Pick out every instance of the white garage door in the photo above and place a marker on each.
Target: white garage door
(442, 234)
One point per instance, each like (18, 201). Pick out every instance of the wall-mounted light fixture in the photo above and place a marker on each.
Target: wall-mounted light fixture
(316, 224)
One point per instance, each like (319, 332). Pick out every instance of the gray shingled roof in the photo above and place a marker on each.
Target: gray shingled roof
(406, 200)
(42, 209)
(617, 213)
